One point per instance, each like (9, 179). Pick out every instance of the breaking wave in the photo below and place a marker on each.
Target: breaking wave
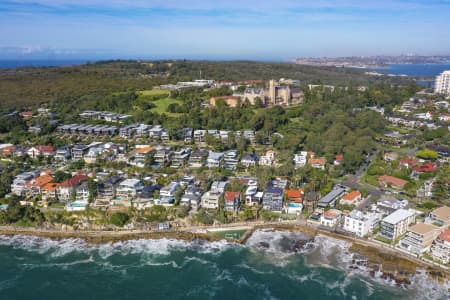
(268, 255)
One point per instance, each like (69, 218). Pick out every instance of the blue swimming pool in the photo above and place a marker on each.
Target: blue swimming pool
(78, 204)
(3, 206)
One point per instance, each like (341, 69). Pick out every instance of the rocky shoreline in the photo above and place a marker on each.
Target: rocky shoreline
(102, 237)
(387, 264)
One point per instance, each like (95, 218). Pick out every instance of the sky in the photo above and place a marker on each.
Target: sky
(222, 29)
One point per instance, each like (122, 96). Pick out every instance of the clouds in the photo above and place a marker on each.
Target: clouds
(248, 28)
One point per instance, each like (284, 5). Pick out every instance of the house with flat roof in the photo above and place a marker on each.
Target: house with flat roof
(197, 158)
(63, 154)
(78, 151)
(106, 190)
(331, 217)
(419, 238)
(18, 185)
(210, 199)
(231, 160)
(273, 199)
(163, 157)
(396, 224)
(214, 159)
(128, 189)
(268, 159)
(440, 249)
(168, 193)
(192, 196)
(249, 160)
(199, 135)
(300, 159)
(361, 223)
(180, 158)
(439, 217)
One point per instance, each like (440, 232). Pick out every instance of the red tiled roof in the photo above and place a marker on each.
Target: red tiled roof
(392, 180)
(426, 167)
(318, 161)
(40, 181)
(144, 150)
(408, 162)
(445, 236)
(74, 181)
(8, 150)
(231, 196)
(352, 196)
(295, 195)
(47, 149)
(339, 157)
(50, 186)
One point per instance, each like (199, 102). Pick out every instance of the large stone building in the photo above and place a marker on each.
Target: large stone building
(274, 95)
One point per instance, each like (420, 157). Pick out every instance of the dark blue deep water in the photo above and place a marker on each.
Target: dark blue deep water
(17, 63)
(264, 268)
(420, 70)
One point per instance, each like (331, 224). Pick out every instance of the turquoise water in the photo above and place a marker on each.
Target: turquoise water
(3, 206)
(265, 268)
(78, 204)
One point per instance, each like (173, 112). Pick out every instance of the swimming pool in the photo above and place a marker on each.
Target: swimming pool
(3, 206)
(78, 204)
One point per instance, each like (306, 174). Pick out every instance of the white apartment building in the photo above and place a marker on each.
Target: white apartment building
(210, 199)
(361, 223)
(129, 188)
(442, 84)
(300, 159)
(440, 249)
(419, 237)
(396, 223)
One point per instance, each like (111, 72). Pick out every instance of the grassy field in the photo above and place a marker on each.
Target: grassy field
(155, 92)
(160, 98)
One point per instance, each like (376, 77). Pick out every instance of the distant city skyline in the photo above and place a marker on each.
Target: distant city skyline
(195, 29)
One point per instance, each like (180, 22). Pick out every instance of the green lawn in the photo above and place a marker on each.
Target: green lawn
(155, 92)
(162, 104)
(160, 98)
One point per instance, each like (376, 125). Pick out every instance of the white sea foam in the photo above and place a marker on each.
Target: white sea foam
(424, 288)
(155, 247)
(330, 252)
(43, 245)
(277, 246)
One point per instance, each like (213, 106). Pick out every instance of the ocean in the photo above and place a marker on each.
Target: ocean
(17, 63)
(418, 70)
(264, 268)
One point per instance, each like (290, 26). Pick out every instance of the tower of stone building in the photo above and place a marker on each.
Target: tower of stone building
(272, 92)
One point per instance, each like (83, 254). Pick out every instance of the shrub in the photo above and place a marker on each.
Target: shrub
(119, 219)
